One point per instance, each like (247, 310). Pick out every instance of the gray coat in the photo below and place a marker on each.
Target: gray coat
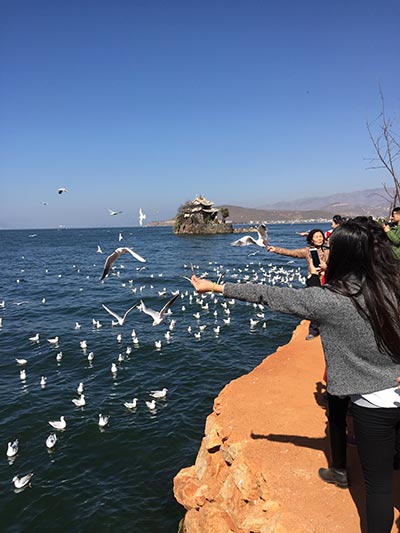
(354, 363)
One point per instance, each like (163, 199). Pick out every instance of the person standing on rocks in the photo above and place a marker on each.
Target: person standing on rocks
(357, 311)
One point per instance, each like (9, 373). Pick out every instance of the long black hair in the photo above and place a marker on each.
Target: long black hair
(362, 266)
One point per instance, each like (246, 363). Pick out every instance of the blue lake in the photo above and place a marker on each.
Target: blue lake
(120, 478)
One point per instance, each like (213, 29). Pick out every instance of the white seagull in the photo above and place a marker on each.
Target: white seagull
(159, 393)
(114, 256)
(21, 361)
(62, 189)
(157, 316)
(58, 424)
(12, 448)
(43, 381)
(22, 374)
(23, 481)
(51, 441)
(80, 402)
(99, 250)
(79, 390)
(262, 239)
(103, 420)
(113, 213)
(142, 216)
(35, 338)
(53, 340)
(151, 405)
(132, 404)
(119, 319)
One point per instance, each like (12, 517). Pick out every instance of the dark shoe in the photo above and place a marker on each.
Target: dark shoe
(335, 476)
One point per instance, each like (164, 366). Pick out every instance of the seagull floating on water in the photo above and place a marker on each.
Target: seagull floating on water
(51, 441)
(103, 420)
(114, 256)
(43, 381)
(157, 316)
(35, 338)
(58, 424)
(79, 390)
(132, 404)
(22, 375)
(23, 481)
(159, 393)
(151, 405)
(12, 448)
(80, 402)
(21, 361)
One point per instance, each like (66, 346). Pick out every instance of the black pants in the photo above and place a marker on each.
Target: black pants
(313, 281)
(337, 412)
(375, 431)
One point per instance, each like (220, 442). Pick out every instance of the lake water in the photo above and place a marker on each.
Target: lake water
(120, 478)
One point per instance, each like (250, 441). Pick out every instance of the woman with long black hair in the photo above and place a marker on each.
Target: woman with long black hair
(358, 312)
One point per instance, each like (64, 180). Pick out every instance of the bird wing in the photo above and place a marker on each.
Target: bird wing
(154, 314)
(133, 253)
(120, 320)
(129, 310)
(168, 305)
(244, 241)
(109, 261)
(263, 234)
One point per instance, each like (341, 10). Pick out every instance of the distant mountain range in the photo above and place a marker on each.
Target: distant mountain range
(372, 202)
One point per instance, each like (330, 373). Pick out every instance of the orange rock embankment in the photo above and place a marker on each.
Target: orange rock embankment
(257, 467)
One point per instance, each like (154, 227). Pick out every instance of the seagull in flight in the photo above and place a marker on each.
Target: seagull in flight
(119, 319)
(142, 216)
(62, 189)
(262, 239)
(113, 213)
(114, 256)
(157, 316)
(99, 250)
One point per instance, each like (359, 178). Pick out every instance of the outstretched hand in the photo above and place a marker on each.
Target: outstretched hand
(205, 285)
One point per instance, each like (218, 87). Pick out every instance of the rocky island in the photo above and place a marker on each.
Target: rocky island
(200, 217)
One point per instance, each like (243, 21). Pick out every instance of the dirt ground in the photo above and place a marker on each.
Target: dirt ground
(279, 410)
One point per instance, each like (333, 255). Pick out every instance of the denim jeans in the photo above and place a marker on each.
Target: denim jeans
(375, 430)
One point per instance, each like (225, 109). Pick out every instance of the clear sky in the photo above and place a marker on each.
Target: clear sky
(146, 103)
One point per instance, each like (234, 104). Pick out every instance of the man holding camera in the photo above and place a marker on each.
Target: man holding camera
(393, 231)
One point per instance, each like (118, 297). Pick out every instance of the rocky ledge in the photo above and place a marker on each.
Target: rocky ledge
(204, 229)
(257, 467)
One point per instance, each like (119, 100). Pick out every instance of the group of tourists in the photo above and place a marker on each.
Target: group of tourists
(352, 300)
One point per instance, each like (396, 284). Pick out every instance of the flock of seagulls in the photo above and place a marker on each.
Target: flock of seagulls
(112, 213)
(198, 306)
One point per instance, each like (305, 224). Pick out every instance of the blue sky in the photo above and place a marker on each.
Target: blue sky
(132, 104)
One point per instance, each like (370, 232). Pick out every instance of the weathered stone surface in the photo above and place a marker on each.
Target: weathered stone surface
(263, 478)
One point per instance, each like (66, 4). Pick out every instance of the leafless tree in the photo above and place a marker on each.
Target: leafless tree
(386, 142)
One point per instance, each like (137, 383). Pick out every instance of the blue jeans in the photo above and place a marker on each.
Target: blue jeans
(375, 431)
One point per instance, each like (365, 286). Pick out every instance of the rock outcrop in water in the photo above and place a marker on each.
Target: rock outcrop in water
(199, 217)
(256, 470)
